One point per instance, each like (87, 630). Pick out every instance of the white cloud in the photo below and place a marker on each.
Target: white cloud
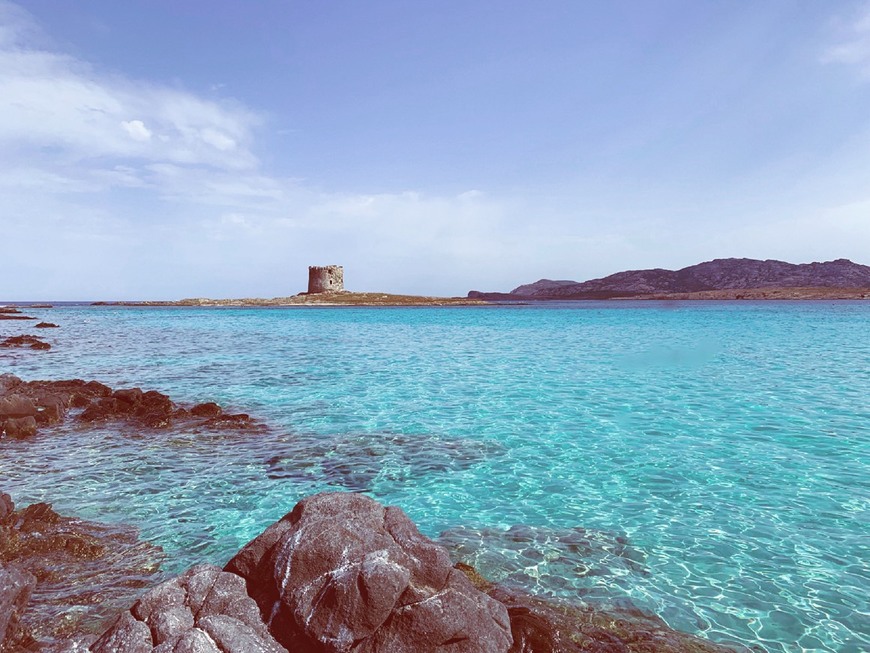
(51, 100)
(137, 130)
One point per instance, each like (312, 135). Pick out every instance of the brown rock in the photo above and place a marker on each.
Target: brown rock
(20, 427)
(16, 586)
(25, 341)
(208, 409)
(17, 405)
(46, 325)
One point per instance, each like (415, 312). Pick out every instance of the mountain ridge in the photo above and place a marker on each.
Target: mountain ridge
(717, 275)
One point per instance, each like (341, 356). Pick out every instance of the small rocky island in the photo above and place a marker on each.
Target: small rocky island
(731, 278)
(325, 288)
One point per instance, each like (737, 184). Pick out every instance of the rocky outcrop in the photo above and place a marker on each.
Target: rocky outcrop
(46, 325)
(343, 573)
(79, 573)
(25, 341)
(205, 610)
(719, 274)
(27, 406)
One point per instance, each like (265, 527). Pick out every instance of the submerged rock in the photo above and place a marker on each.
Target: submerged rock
(544, 560)
(205, 610)
(83, 572)
(16, 585)
(343, 573)
(358, 461)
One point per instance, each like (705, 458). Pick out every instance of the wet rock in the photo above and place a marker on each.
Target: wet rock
(208, 409)
(554, 561)
(551, 626)
(46, 325)
(204, 609)
(237, 421)
(9, 310)
(25, 341)
(17, 405)
(342, 572)
(85, 572)
(5, 316)
(16, 586)
(19, 427)
(131, 396)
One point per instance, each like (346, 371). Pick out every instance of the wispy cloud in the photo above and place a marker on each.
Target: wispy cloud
(51, 100)
(852, 44)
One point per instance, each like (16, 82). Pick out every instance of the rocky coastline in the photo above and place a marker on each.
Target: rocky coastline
(340, 572)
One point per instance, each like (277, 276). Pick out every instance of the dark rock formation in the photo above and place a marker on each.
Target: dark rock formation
(46, 325)
(25, 341)
(83, 573)
(43, 403)
(719, 274)
(205, 610)
(7, 316)
(343, 573)
(9, 310)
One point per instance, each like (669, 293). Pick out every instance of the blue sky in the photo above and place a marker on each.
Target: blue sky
(159, 150)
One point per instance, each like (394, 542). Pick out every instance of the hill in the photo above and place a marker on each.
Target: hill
(729, 274)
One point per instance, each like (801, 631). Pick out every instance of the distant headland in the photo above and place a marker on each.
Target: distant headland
(730, 278)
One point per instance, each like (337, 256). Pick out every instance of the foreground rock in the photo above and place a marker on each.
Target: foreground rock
(27, 406)
(343, 573)
(77, 575)
(205, 610)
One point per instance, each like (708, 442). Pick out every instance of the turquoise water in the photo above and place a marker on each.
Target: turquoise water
(707, 462)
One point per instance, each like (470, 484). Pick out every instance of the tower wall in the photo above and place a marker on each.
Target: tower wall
(325, 278)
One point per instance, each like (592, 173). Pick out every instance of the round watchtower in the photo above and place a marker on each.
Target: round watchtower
(325, 278)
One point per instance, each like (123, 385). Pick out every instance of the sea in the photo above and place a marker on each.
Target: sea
(708, 462)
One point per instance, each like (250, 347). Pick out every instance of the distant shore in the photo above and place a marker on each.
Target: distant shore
(774, 293)
(318, 299)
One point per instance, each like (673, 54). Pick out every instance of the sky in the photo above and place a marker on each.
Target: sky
(162, 150)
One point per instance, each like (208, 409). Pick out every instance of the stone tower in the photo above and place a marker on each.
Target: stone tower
(325, 278)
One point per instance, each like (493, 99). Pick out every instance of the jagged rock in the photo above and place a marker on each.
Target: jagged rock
(46, 325)
(208, 409)
(20, 427)
(204, 609)
(341, 572)
(16, 586)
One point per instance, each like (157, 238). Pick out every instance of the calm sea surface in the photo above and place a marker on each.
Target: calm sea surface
(711, 459)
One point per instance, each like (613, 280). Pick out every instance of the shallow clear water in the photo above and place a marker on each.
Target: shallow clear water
(713, 458)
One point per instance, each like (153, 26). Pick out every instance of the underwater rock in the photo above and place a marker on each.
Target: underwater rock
(544, 560)
(357, 461)
(343, 573)
(16, 586)
(84, 572)
(205, 609)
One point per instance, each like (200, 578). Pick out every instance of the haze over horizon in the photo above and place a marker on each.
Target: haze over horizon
(163, 150)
